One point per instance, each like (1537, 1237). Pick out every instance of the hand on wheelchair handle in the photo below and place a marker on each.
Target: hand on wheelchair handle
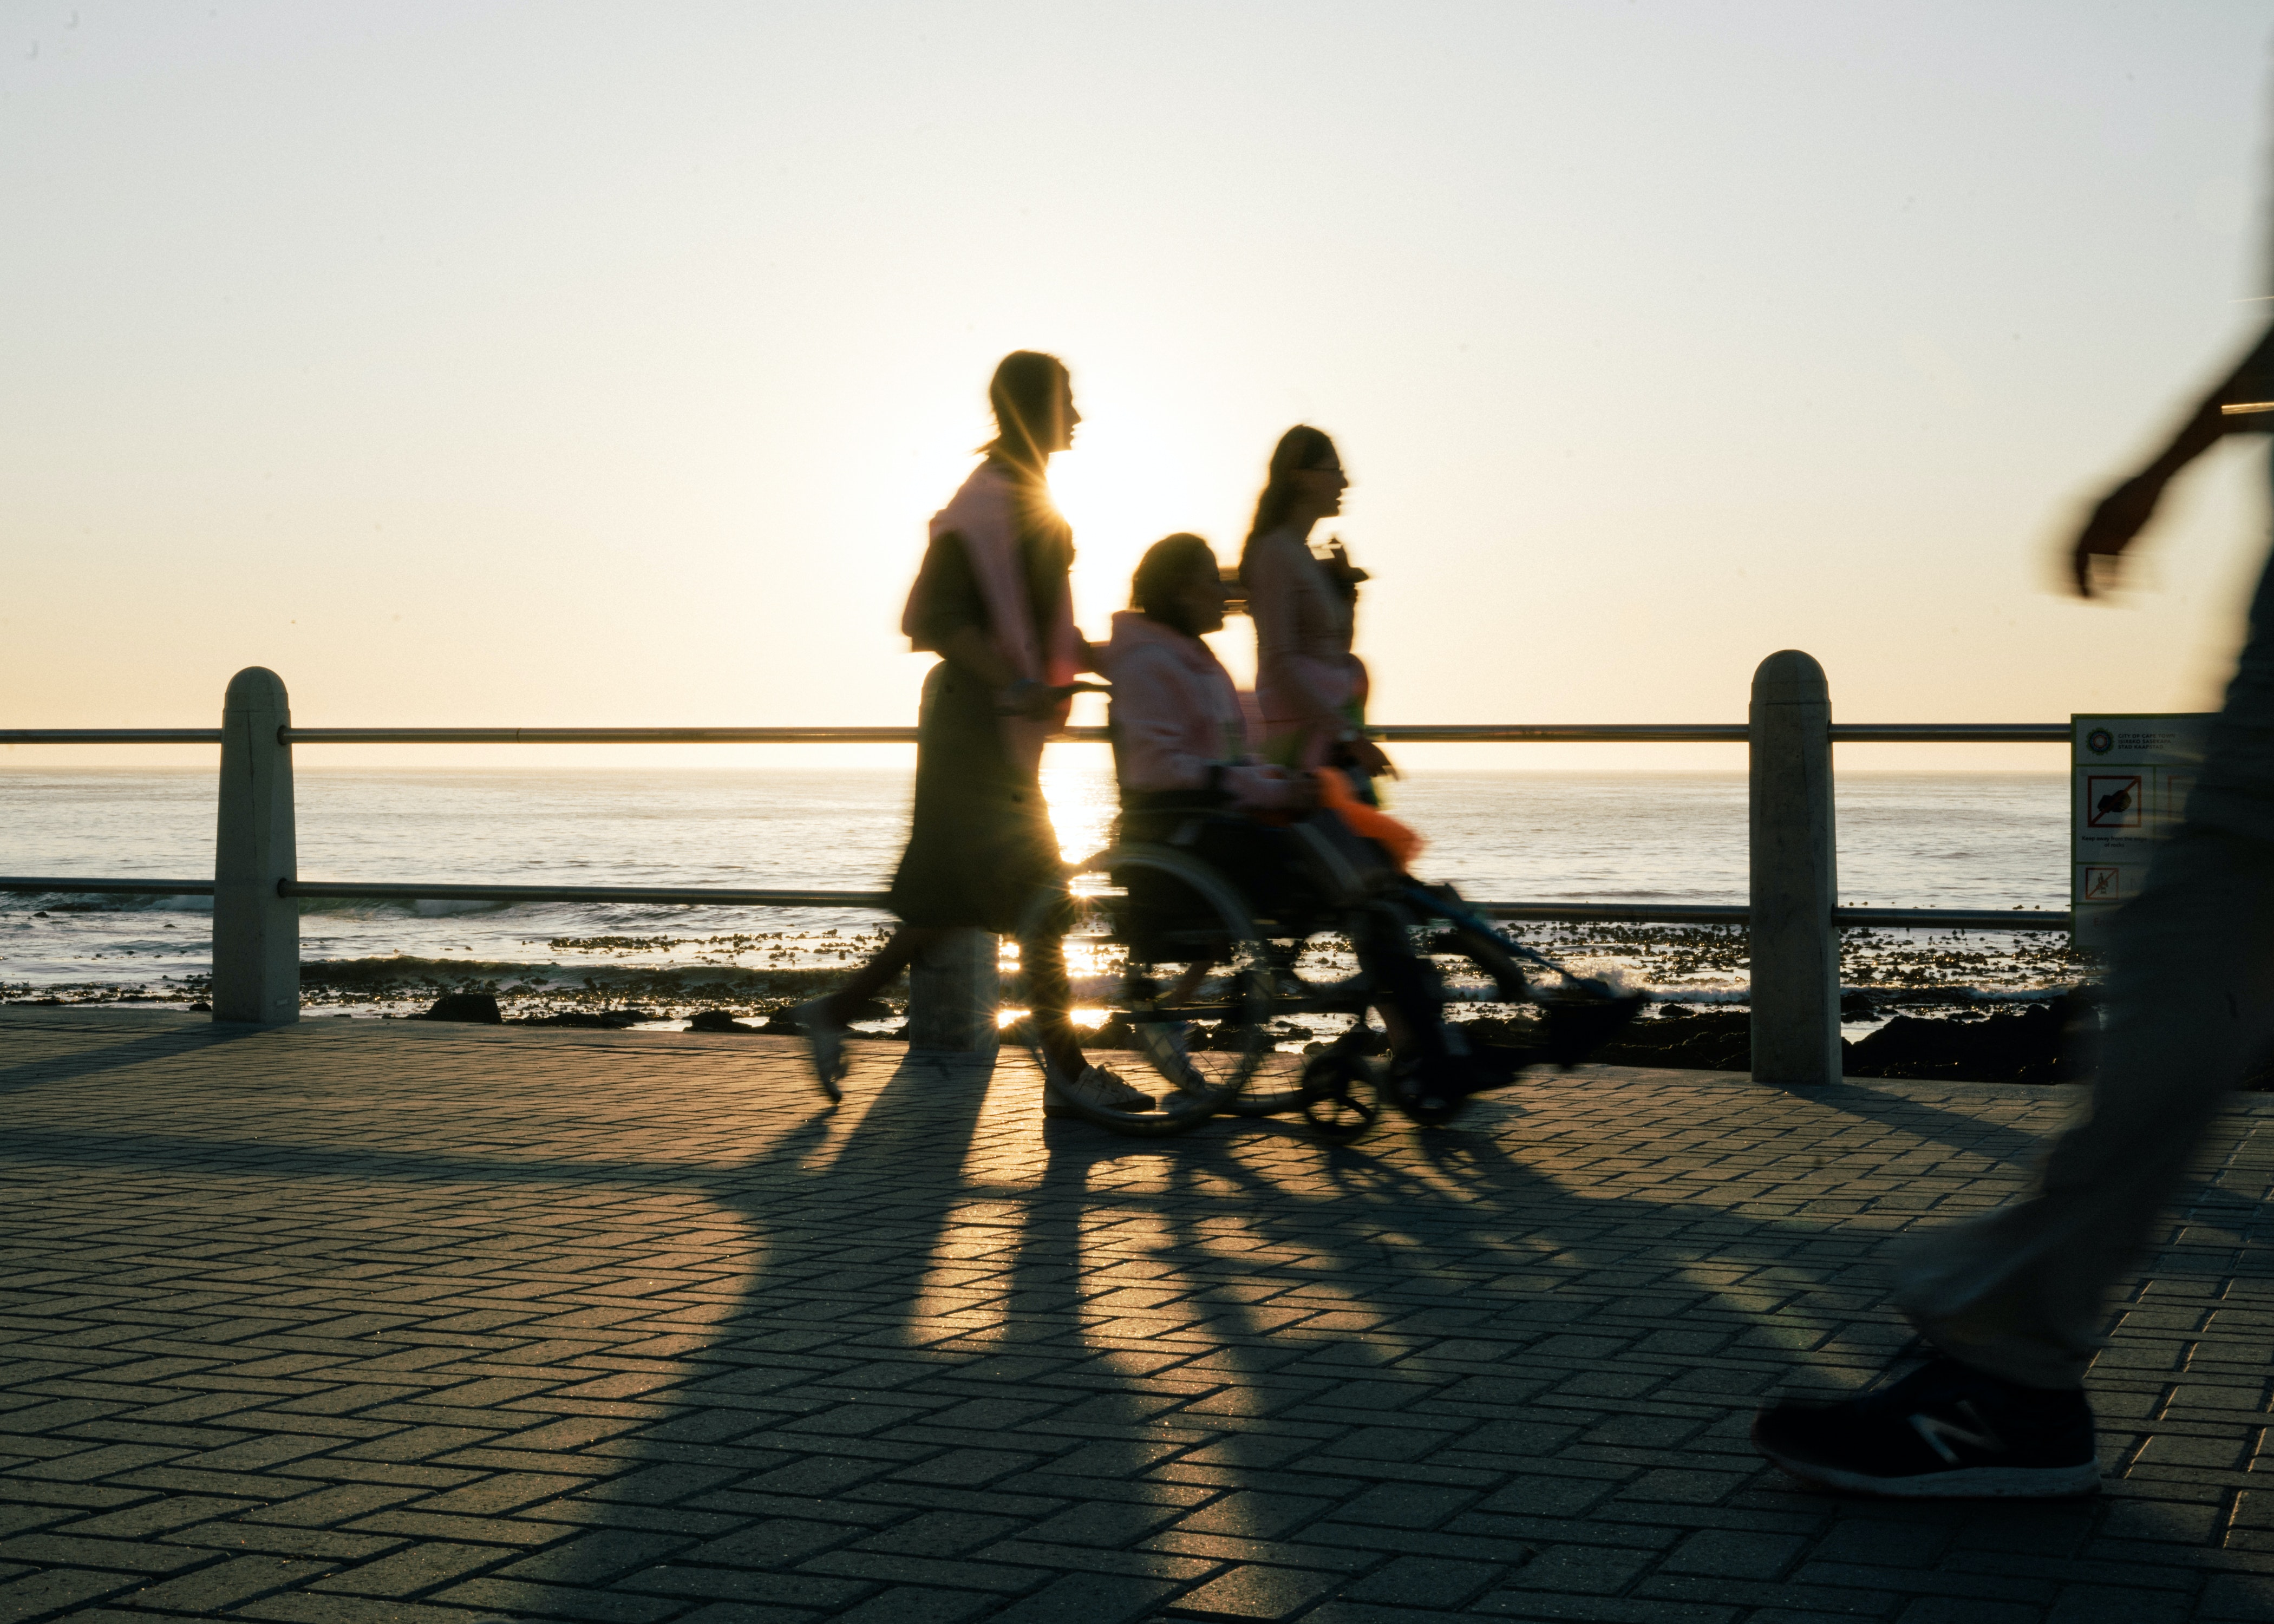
(1036, 700)
(1368, 757)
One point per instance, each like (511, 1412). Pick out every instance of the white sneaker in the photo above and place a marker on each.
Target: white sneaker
(1096, 1087)
(1163, 1044)
(827, 1038)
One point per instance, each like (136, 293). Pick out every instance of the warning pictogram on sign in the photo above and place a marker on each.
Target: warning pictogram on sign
(2130, 777)
(2112, 801)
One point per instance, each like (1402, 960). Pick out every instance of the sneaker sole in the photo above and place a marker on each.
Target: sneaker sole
(1960, 1483)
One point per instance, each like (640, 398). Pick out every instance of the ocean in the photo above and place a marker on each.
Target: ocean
(1977, 840)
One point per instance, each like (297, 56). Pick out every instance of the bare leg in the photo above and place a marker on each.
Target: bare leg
(907, 944)
(1043, 956)
(1187, 984)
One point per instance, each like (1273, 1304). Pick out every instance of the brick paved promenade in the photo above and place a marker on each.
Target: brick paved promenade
(356, 1322)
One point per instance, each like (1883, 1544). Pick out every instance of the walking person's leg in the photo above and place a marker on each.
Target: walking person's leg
(2022, 1292)
(1050, 995)
(947, 876)
(1068, 1072)
(2016, 1301)
(826, 1021)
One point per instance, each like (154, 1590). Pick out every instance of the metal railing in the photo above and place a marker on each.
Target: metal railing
(1537, 913)
(1792, 915)
(1464, 732)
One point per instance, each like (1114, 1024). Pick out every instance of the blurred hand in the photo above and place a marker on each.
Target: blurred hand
(1368, 757)
(1035, 702)
(2121, 516)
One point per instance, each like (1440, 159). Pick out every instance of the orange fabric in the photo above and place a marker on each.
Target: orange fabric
(1401, 841)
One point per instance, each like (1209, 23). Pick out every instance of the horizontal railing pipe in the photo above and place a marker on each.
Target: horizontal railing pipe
(1617, 913)
(1956, 918)
(1549, 913)
(1465, 733)
(607, 735)
(1717, 913)
(1563, 733)
(1950, 732)
(723, 896)
(109, 888)
(109, 735)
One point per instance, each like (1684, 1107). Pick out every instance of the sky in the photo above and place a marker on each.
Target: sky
(479, 363)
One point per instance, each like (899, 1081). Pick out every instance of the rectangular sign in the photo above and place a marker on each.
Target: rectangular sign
(2131, 775)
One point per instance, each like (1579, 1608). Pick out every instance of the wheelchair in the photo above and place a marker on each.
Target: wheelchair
(1218, 945)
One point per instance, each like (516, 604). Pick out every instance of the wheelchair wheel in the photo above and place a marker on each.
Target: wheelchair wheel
(1315, 990)
(1466, 964)
(1168, 951)
(1341, 1094)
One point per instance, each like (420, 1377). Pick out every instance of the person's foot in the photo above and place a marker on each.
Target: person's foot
(826, 1035)
(1164, 1044)
(1945, 1431)
(1096, 1087)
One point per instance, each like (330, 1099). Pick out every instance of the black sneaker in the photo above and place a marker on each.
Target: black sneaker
(1945, 1431)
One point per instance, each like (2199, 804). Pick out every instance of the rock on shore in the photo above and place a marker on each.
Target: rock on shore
(2026, 1045)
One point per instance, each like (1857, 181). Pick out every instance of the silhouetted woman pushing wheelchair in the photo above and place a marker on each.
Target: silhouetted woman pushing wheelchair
(992, 600)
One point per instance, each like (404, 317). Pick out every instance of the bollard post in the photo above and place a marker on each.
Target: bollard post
(952, 996)
(1795, 951)
(256, 933)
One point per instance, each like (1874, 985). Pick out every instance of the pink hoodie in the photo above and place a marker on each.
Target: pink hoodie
(984, 512)
(1175, 715)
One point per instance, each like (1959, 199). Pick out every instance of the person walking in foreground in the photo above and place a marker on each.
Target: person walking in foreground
(1312, 689)
(2013, 1302)
(992, 600)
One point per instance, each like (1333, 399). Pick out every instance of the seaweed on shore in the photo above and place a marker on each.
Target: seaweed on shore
(1870, 955)
(2035, 1044)
(544, 989)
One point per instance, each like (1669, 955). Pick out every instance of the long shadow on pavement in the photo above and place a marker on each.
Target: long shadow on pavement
(921, 1360)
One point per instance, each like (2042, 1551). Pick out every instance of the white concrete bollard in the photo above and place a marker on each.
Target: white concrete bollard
(256, 933)
(952, 992)
(1795, 951)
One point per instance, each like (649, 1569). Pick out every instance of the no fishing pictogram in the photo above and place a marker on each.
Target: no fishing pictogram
(2112, 801)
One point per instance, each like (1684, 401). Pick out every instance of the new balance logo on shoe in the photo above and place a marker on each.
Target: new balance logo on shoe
(1939, 1433)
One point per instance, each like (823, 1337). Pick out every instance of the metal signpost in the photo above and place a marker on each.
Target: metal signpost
(2130, 777)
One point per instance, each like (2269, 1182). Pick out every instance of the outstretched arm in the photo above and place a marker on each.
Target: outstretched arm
(2123, 512)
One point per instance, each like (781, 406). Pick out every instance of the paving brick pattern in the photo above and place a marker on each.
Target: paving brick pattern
(356, 1323)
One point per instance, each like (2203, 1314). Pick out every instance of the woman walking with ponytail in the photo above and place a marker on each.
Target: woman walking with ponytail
(1312, 689)
(992, 601)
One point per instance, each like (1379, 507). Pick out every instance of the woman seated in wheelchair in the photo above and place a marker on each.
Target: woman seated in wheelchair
(1258, 837)
(1189, 780)
(1180, 745)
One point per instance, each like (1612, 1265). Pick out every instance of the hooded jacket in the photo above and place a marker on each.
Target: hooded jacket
(1177, 724)
(985, 513)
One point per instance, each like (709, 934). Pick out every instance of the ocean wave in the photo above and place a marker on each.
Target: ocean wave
(405, 908)
(103, 902)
